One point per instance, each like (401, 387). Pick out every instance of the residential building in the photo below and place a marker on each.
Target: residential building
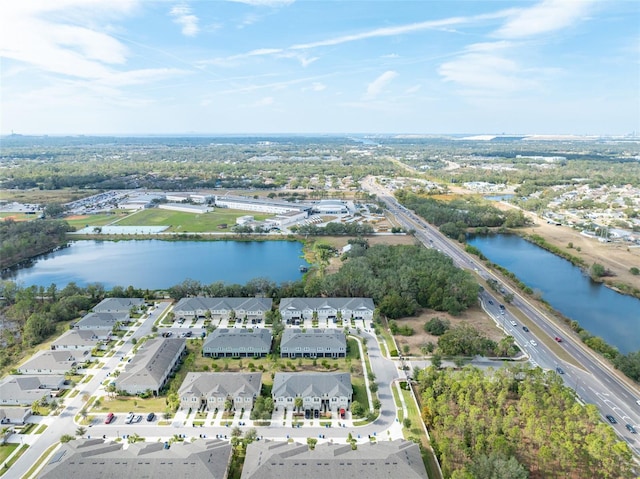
(14, 415)
(253, 309)
(238, 343)
(150, 368)
(103, 321)
(81, 340)
(299, 309)
(23, 390)
(371, 460)
(208, 458)
(313, 343)
(50, 362)
(210, 391)
(319, 391)
(118, 305)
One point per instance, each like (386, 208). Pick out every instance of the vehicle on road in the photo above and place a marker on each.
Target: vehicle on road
(151, 416)
(502, 306)
(631, 429)
(513, 323)
(638, 402)
(558, 338)
(533, 343)
(109, 419)
(188, 334)
(525, 329)
(490, 302)
(611, 419)
(559, 370)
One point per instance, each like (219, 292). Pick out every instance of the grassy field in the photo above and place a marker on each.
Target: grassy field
(18, 216)
(36, 195)
(180, 222)
(93, 220)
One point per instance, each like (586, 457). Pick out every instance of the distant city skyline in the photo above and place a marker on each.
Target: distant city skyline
(137, 67)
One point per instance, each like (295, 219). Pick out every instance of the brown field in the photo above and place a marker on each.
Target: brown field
(475, 316)
(38, 196)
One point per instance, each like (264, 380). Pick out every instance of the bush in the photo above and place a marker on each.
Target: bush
(437, 326)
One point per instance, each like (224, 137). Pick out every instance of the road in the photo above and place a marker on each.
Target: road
(595, 382)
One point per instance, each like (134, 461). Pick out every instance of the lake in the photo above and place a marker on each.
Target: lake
(600, 310)
(156, 264)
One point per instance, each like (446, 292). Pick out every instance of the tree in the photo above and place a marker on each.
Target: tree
(298, 402)
(406, 422)
(437, 326)
(597, 271)
(356, 409)
(311, 442)
(80, 431)
(66, 438)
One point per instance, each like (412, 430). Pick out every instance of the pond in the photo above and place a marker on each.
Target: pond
(157, 264)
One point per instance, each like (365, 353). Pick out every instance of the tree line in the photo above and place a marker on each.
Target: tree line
(22, 240)
(516, 423)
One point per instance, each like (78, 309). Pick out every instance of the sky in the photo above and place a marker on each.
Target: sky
(135, 67)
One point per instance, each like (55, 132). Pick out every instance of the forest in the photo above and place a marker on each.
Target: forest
(516, 423)
(20, 241)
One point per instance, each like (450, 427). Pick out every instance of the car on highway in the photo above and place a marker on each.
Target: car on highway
(638, 402)
(533, 343)
(490, 302)
(513, 323)
(631, 429)
(525, 329)
(558, 339)
(109, 419)
(611, 419)
(559, 370)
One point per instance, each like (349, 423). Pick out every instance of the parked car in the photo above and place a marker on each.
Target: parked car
(138, 418)
(343, 413)
(110, 417)
(151, 416)
(316, 413)
(130, 418)
(611, 419)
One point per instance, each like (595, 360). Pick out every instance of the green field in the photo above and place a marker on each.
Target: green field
(93, 220)
(180, 222)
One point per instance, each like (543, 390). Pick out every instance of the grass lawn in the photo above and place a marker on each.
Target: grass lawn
(181, 222)
(7, 449)
(122, 404)
(20, 452)
(82, 221)
(17, 216)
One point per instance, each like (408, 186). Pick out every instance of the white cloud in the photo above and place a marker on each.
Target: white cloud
(377, 86)
(266, 101)
(413, 89)
(183, 16)
(315, 86)
(547, 16)
(265, 3)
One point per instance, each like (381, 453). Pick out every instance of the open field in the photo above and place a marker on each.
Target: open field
(81, 221)
(17, 216)
(38, 196)
(181, 222)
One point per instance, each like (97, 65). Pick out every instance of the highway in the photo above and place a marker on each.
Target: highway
(595, 382)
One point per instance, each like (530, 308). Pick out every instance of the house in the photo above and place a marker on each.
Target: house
(118, 305)
(314, 343)
(238, 343)
(319, 391)
(98, 458)
(81, 340)
(150, 368)
(294, 310)
(373, 460)
(253, 309)
(50, 362)
(103, 321)
(210, 391)
(14, 415)
(23, 390)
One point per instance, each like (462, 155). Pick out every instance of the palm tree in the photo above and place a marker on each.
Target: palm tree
(298, 403)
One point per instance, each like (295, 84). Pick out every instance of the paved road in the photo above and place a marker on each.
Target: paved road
(595, 383)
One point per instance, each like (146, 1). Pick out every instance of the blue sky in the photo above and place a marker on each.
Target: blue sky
(313, 66)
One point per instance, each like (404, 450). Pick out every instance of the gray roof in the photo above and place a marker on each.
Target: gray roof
(316, 304)
(312, 385)
(117, 305)
(98, 459)
(46, 360)
(14, 413)
(223, 304)
(325, 339)
(256, 340)
(150, 363)
(101, 320)
(28, 388)
(385, 459)
(78, 337)
(221, 384)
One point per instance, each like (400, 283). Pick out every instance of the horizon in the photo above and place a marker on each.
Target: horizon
(322, 67)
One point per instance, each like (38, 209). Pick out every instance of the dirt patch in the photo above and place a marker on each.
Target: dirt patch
(475, 317)
(76, 217)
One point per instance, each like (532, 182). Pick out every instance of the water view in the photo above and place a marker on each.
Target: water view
(600, 310)
(156, 264)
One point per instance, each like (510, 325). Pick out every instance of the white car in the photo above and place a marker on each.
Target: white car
(533, 343)
(513, 323)
(130, 418)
